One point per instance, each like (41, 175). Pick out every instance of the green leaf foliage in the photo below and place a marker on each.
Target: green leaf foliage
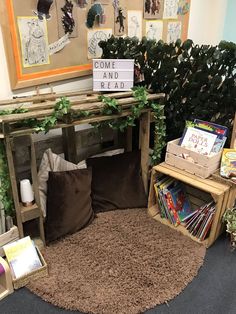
(199, 81)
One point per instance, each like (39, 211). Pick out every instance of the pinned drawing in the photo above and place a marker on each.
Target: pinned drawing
(82, 3)
(120, 23)
(34, 41)
(170, 9)
(94, 37)
(101, 1)
(43, 8)
(135, 24)
(183, 7)
(67, 18)
(173, 31)
(153, 9)
(116, 5)
(154, 30)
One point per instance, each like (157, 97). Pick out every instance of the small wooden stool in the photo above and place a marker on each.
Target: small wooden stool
(6, 286)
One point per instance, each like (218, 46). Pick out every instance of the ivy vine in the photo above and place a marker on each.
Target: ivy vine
(62, 110)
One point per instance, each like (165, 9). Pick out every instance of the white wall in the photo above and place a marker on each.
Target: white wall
(205, 27)
(206, 23)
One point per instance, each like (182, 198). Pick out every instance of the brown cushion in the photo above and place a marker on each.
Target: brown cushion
(52, 162)
(117, 182)
(68, 202)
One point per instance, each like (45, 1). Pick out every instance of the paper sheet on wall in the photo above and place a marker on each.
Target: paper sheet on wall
(154, 30)
(34, 41)
(59, 44)
(173, 31)
(170, 9)
(153, 9)
(135, 23)
(94, 37)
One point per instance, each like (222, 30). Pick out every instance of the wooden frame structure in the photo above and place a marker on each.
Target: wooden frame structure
(42, 106)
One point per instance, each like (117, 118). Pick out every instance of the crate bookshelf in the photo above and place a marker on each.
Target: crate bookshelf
(199, 192)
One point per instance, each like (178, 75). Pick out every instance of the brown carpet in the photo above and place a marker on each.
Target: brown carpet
(124, 262)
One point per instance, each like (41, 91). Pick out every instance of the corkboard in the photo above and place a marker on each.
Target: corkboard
(72, 61)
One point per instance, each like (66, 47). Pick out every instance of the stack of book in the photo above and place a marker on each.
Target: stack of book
(172, 200)
(175, 206)
(200, 221)
(204, 137)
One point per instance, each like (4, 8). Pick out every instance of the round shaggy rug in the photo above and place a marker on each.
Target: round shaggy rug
(124, 262)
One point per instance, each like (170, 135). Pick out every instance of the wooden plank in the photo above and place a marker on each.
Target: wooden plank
(181, 229)
(8, 237)
(144, 139)
(212, 185)
(69, 144)
(129, 139)
(14, 185)
(36, 188)
(30, 212)
(84, 106)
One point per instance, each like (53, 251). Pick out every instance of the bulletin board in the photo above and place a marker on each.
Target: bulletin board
(61, 56)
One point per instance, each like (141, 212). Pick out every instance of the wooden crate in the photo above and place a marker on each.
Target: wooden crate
(203, 166)
(199, 191)
(34, 275)
(8, 237)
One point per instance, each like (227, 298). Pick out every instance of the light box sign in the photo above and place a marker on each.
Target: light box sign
(113, 74)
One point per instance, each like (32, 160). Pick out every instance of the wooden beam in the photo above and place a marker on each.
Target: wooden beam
(144, 138)
(69, 144)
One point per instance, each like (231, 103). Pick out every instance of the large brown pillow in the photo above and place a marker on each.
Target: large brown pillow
(117, 182)
(52, 162)
(68, 202)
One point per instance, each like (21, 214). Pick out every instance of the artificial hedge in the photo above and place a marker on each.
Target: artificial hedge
(199, 81)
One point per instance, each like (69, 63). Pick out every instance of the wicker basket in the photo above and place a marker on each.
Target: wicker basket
(38, 273)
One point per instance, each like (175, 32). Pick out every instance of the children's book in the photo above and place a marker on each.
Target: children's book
(218, 129)
(22, 257)
(198, 140)
(179, 202)
(228, 163)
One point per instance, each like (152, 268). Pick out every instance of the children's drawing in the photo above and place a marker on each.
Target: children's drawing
(43, 8)
(184, 7)
(120, 25)
(94, 37)
(154, 30)
(153, 9)
(101, 1)
(96, 11)
(82, 3)
(68, 21)
(34, 41)
(173, 32)
(170, 9)
(116, 5)
(135, 24)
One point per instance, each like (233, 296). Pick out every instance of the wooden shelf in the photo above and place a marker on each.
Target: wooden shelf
(179, 228)
(29, 212)
(200, 191)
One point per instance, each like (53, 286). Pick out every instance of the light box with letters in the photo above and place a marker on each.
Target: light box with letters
(113, 74)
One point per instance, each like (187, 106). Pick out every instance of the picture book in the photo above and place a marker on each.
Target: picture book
(198, 140)
(211, 127)
(228, 163)
(22, 257)
(178, 202)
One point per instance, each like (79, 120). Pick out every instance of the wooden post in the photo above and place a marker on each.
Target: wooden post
(12, 174)
(128, 139)
(69, 144)
(144, 138)
(36, 188)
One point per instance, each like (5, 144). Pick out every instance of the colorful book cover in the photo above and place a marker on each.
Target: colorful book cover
(178, 202)
(22, 257)
(198, 140)
(228, 163)
(221, 130)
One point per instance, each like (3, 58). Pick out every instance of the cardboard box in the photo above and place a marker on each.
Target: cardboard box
(203, 166)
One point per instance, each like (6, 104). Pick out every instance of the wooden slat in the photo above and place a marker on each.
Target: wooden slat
(82, 106)
(207, 184)
(69, 144)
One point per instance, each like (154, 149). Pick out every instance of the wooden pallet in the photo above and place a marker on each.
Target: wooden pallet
(200, 191)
